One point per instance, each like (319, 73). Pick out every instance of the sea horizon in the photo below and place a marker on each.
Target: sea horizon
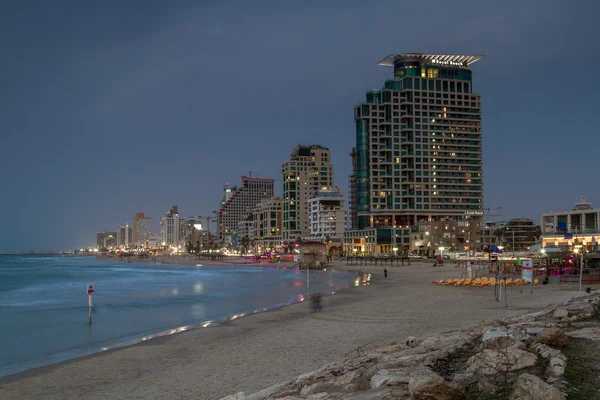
(45, 301)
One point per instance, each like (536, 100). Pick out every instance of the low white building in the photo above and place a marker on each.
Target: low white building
(327, 215)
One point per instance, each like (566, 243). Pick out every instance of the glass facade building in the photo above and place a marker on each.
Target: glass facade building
(418, 154)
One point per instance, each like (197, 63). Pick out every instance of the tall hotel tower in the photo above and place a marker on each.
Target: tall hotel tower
(418, 154)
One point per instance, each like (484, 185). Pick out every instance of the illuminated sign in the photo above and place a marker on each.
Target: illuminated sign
(447, 62)
(473, 212)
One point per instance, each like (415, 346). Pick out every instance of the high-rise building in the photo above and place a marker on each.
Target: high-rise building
(327, 216)
(142, 229)
(124, 236)
(418, 154)
(172, 228)
(240, 204)
(106, 240)
(308, 170)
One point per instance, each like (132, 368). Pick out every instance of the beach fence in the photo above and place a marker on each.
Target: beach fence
(374, 261)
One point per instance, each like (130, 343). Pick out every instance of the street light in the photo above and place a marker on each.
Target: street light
(576, 250)
(395, 251)
(441, 249)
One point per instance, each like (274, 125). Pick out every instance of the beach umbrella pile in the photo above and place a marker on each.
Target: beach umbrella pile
(483, 282)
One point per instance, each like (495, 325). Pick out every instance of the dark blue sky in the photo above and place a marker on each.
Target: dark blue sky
(106, 106)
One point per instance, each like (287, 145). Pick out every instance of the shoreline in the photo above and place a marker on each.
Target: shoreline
(158, 336)
(249, 354)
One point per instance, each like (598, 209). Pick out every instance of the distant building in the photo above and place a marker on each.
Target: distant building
(124, 236)
(267, 223)
(239, 205)
(106, 240)
(564, 230)
(308, 170)
(428, 237)
(327, 216)
(489, 234)
(172, 228)
(518, 234)
(142, 228)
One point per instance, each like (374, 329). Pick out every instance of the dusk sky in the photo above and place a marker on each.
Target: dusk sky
(113, 107)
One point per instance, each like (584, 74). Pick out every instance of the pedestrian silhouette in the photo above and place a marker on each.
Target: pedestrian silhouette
(385, 272)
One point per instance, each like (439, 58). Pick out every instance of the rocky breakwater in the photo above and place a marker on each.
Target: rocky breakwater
(517, 358)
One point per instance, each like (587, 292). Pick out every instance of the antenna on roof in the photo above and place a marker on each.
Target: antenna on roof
(249, 174)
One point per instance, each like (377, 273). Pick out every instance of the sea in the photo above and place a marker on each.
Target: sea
(44, 311)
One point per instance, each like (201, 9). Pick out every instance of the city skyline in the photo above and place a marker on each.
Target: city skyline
(82, 101)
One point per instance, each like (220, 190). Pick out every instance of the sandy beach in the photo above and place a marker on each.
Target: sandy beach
(252, 353)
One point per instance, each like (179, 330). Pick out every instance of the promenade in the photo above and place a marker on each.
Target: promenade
(255, 352)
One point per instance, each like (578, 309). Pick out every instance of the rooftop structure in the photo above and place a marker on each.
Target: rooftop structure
(457, 60)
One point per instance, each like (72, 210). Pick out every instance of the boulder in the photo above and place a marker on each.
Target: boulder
(501, 343)
(412, 341)
(401, 377)
(378, 394)
(546, 351)
(560, 313)
(465, 379)
(556, 368)
(270, 391)
(530, 387)
(515, 331)
(553, 337)
(491, 362)
(437, 389)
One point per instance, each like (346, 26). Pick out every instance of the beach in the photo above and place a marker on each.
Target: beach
(251, 353)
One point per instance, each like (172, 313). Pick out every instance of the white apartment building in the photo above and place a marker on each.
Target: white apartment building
(172, 228)
(327, 215)
(239, 205)
(565, 229)
(124, 236)
(308, 170)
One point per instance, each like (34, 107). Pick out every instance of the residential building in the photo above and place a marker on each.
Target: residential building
(564, 230)
(106, 240)
(489, 234)
(518, 234)
(267, 223)
(309, 169)
(377, 241)
(353, 201)
(327, 217)
(418, 154)
(239, 205)
(142, 229)
(427, 237)
(124, 236)
(172, 228)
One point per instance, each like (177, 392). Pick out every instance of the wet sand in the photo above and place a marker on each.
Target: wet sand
(252, 353)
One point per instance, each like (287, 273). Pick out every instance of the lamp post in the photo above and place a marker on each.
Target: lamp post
(395, 251)
(441, 249)
(576, 250)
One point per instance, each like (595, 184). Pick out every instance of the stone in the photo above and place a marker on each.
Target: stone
(530, 387)
(553, 337)
(491, 362)
(515, 331)
(318, 387)
(560, 313)
(379, 394)
(465, 379)
(546, 351)
(589, 333)
(412, 341)
(556, 368)
(589, 310)
(401, 376)
(501, 343)
(437, 389)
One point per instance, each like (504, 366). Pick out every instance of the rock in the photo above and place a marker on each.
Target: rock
(560, 313)
(546, 351)
(589, 310)
(464, 380)
(530, 387)
(553, 337)
(590, 333)
(515, 331)
(412, 341)
(415, 382)
(318, 387)
(319, 396)
(556, 368)
(437, 389)
(379, 394)
(491, 362)
(401, 376)
(501, 343)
